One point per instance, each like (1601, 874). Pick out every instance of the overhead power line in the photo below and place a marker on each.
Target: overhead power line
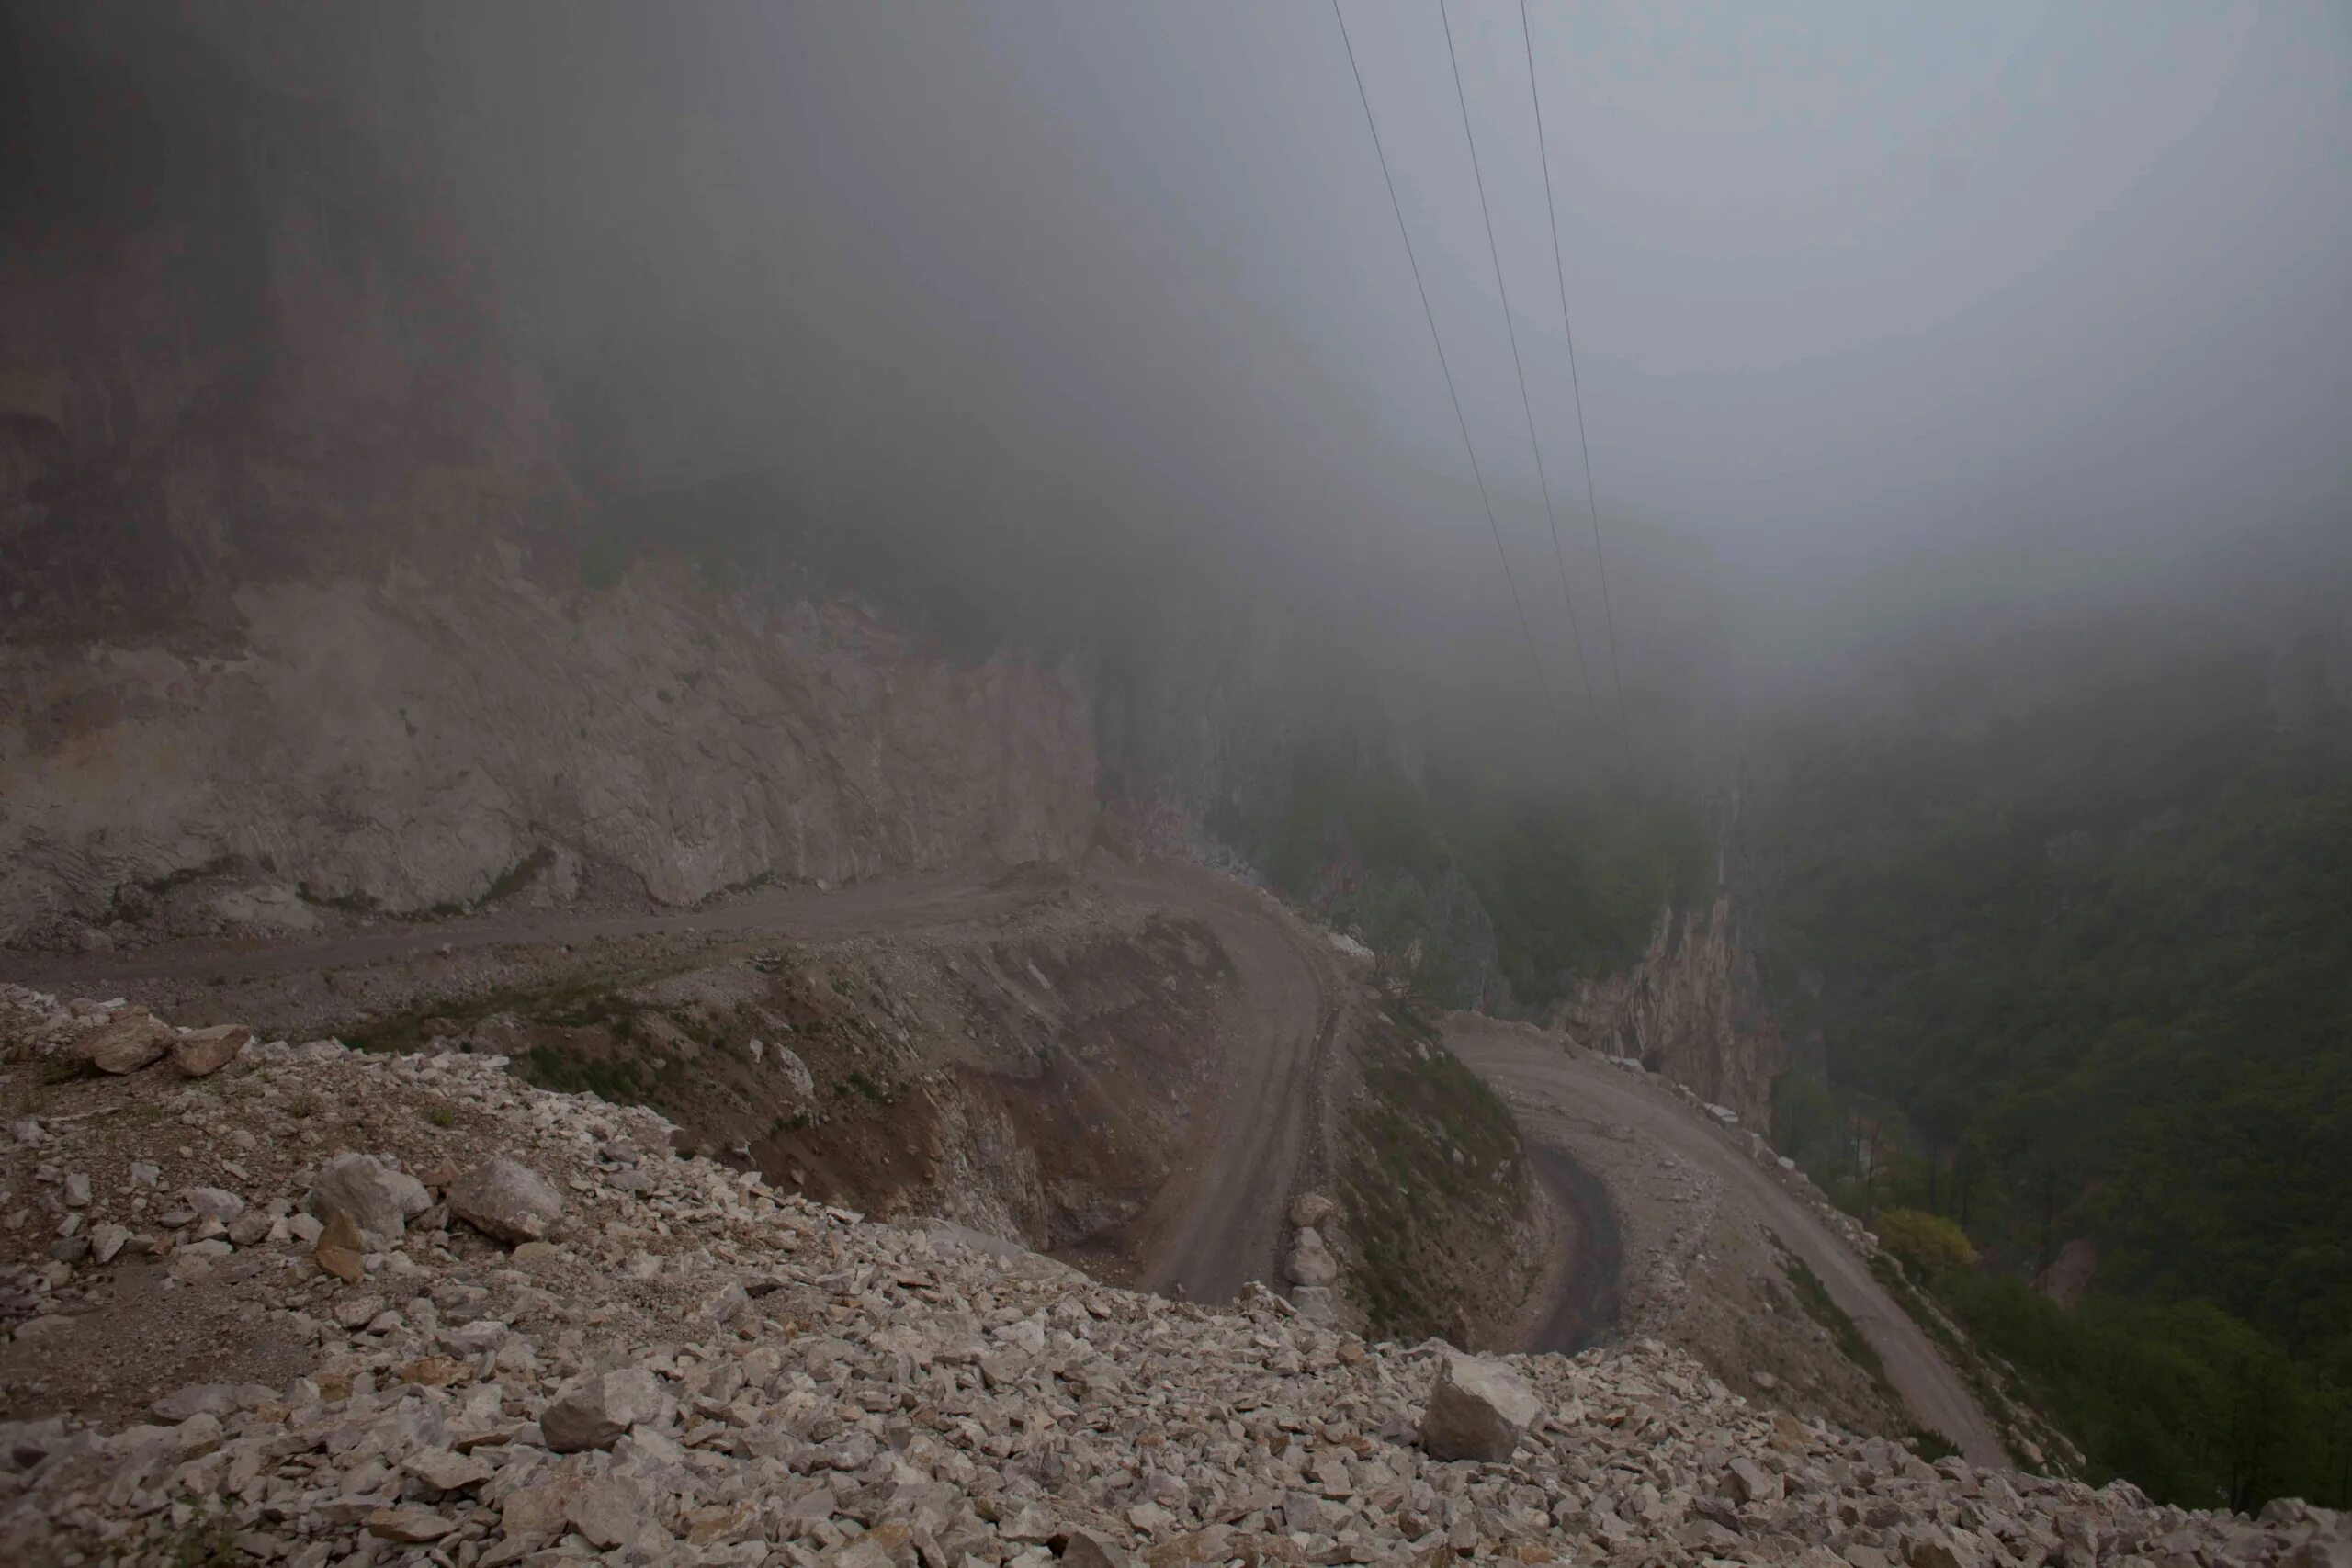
(1453, 394)
(1576, 382)
(1511, 329)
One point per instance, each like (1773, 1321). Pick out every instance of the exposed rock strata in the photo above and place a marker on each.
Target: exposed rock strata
(1688, 1009)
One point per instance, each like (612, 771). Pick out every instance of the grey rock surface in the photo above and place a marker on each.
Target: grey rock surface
(379, 1200)
(504, 1199)
(1478, 1409)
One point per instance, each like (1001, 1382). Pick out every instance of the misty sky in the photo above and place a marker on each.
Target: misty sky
(1847, 280)
(1847, 275)
(1851, 274)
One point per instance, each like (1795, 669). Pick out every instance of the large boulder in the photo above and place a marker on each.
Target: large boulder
(202, 1052)
(133, 1038)
(1313, 1211)
(505, 1200)
(1310, 1262)
(379, 1200)
(1478, 1410)
(591, 1412)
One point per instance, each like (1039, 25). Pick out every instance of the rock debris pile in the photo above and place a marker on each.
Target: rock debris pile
(451, 1319)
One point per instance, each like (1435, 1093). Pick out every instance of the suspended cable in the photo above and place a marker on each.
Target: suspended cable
(1511, 329)
(1452, 392)
(1576, 382)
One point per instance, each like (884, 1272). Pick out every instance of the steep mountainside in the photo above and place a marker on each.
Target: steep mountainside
(403, 743)
(300, 608)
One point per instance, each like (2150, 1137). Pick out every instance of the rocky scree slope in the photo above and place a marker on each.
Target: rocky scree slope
(551, 1340)
(1036, 1077)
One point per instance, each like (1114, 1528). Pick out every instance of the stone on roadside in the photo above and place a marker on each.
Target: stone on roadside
(1310, 1262)
(607, 1511)
(794, 1072)
(202, 1052)
(135, 1038)
(506, 1201)
(442, 1470)
(1478, 1409)
(214, 1203)
(1316, 1304)
(106, 1241)
(1745, 1480)
(1313, 1211)
(358, 1312)
(198, 1399)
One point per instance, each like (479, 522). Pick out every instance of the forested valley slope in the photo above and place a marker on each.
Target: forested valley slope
(2063, 932)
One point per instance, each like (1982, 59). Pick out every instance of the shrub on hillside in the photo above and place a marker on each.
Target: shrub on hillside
(1929, 1242)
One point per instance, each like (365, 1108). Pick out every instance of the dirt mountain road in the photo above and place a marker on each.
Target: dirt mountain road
(1216, 1225)
(1221, 1222)
(1539, 1069)
(805, 914)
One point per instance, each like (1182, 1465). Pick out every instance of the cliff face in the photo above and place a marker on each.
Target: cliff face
(407, 743)
(1690, 1008)
(295, 608)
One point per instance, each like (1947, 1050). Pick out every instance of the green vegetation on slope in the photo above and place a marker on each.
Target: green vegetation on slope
(2079, 972)
(1435, 1186)
(1490, 883)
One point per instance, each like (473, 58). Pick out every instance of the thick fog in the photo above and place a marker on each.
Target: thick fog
(1848, 282)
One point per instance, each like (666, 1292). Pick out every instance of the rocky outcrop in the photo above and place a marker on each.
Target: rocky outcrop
(405, 744)
(1690, 1010)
